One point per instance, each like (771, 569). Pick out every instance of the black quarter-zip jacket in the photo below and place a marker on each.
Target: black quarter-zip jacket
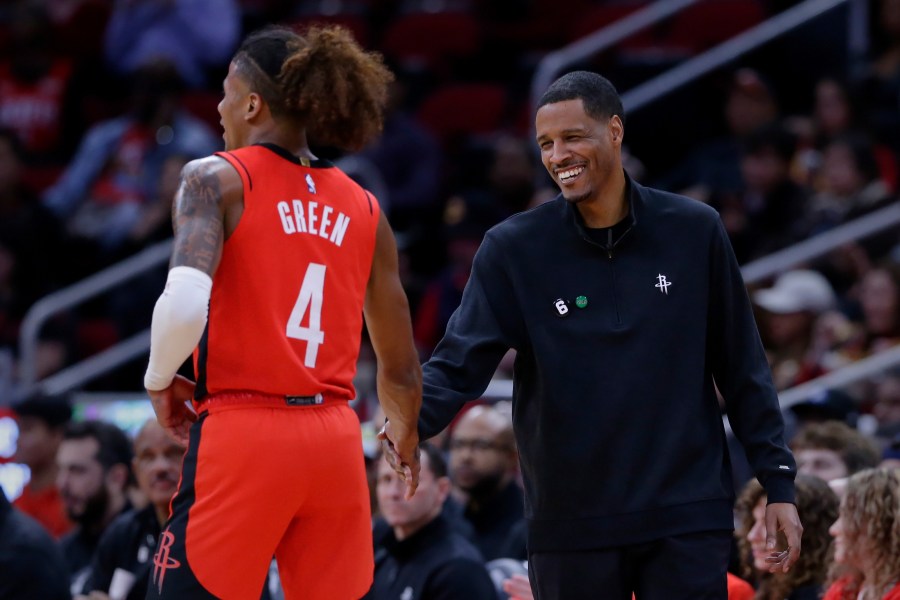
(619, 348)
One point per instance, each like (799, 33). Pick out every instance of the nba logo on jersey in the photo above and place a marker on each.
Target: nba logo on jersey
(310, 184)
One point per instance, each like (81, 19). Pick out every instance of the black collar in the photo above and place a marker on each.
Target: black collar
(621, 229)
(317, 163)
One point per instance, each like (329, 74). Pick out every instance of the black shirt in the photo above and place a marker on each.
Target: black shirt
(435, 563)
(494, 520)
(128, 545)
(31, 563)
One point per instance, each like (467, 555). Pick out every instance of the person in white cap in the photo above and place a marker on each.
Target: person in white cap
(791, 308)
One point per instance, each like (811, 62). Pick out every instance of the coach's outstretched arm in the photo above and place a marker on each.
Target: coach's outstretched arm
(399, 372)
(209, 189)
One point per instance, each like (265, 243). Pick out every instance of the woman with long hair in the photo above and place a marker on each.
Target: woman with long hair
(818, 508)
(867, 539)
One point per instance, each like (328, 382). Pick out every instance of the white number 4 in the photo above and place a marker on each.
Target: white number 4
(310, 298)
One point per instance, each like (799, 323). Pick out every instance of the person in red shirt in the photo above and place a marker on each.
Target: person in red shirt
(41, 420)
(278, 255)
(867, 538)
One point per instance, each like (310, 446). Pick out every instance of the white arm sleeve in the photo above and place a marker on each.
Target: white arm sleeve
(179, 319)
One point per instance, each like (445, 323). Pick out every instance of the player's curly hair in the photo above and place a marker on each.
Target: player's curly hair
(817, 506)
(321, 79)
(870, 514)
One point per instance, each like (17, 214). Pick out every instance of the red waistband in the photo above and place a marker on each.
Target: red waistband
(222, 399)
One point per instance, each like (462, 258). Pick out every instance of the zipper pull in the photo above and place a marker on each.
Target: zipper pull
(609, 253)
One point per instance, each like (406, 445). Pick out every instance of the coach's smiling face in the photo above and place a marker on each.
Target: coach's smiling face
(581, 153)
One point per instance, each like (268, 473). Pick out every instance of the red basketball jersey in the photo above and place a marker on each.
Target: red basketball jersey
(285, 314)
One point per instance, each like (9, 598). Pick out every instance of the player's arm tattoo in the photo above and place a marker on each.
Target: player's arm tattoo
(198, 219)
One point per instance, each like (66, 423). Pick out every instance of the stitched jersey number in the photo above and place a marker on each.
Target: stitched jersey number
(310, 298)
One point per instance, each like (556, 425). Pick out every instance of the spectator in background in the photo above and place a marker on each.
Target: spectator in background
(34, 84)
(483, 467)
(194, 35)
(886, 405)
(764, 215)
(94, 461)
(867, 538)
(880, 83)
(42, 421)
(31, 565)
(29, 249)
(879, 298)
(851, 185)
(413, 182)
(832, 450)
(466, 220)
(421, 557)
(511, 175)
(117, 170)
(818, 508)
(122, 563)
(714, 168)
(791, 308)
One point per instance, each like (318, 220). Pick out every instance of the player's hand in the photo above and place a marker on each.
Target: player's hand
(517, 587)
(401, 449)
(782, 516)
(170, 408)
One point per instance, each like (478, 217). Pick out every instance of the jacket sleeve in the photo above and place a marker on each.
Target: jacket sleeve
(478, 334)
(742, 374)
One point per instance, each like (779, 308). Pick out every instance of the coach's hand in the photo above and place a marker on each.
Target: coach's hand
(782, 516)
(170, 408)
(401, 449)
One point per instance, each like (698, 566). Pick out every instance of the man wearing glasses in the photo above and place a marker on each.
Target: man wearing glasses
(483, 470)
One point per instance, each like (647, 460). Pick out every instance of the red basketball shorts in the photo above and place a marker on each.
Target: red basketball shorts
(262, 478)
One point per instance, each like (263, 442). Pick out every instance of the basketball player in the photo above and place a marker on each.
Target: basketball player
(277, 256)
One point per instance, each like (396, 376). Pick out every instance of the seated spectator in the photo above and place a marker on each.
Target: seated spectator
(195, 35)
(817, 505)
(878, 298)
(421, 557)
(851, 186)
(832, 450)
(835, 112)
(791, 308)
(466, 220)
(867, 538)
(763, 217)
(34, 84)
(117, 170)
(28, 243)
(483, 469)
(122, 563)
(31, 564)
(714, 168)
(94, 461)
(879, 84)
(414, 182)
(886, 405)
(42, 421)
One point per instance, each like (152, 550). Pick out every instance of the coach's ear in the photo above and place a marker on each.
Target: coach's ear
(616, 130)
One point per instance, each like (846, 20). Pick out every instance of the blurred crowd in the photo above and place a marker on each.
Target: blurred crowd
(99, 498)
(103, 101)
